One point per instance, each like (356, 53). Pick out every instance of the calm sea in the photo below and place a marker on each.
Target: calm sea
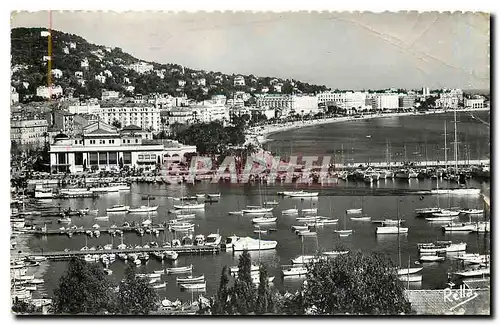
(422, 137)
(379, 201)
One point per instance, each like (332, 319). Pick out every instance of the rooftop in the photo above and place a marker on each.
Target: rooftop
(450, 301)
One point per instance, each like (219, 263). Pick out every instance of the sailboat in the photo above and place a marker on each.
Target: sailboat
(361, 217)
(407, 274)
(392, 229)
(344, 232)
(355, 210)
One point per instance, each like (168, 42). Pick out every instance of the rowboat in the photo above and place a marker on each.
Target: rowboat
(147, 275)
(300, 194)
(160, 285)
(410, 278)
(344, 232)
(179, 270)
(256, 210)
(188, 206)
(295, 228)
(303, 259)
(411, 270)
(431, 258)
(391, 230)
(193, 286)
(102, 218)
(306, 233)
(118, 208)
(184, 226)
(191, 279)
(186, 216)
(306, 219)
(295, 271)
(459, 227)
(353, 211)
(309, 211)
(256, 280)
(446, 213)
(425, 211)
(143, 208)
(290, 211)
(441, 219)
(334, 253)
(264, 220)
(361, 218)
(474, 272)
(472, 211)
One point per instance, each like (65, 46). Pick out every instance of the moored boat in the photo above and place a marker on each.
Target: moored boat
(118, 208)
(191, 279)
(143, 208)
(179, 270)
(391, 230)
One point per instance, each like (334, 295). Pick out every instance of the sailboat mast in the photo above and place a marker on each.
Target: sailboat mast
(455, 143)
(445, 148)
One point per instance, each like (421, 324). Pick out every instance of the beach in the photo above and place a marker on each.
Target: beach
(259, 135)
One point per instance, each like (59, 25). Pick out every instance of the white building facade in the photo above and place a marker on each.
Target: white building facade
(102, 147)
(385, 101)
(146, 117)
(29, 132)
(48, 92)
(474, 103)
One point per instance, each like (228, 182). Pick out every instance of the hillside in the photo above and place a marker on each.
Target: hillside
(28, 48)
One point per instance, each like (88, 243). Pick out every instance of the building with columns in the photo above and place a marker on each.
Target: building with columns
(101, 146)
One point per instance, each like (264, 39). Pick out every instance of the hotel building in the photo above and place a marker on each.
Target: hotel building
(29, 132)
(102, 147)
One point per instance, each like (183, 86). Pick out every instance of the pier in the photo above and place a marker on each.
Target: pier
(181, 250)
(82, 231)
(416, 164)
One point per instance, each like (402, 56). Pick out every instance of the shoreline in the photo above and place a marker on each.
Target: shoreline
(263, 134)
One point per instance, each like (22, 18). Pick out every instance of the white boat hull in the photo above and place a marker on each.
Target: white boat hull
(392, 230)
(411, 270)
(410, 278)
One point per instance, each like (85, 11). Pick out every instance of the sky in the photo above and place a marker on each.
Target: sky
(340, 50)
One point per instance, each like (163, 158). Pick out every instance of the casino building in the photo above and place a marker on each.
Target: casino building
(101, 146)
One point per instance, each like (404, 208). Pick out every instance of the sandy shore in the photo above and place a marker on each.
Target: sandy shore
(260, 134)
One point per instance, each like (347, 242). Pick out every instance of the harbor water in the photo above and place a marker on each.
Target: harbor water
(363, 141)
(332, 202)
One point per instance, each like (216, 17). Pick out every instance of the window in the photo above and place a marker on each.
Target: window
(103, 158)
(92, 141)
(113, 158)
(128, 141)
(140, 157)
(102, 141)
(76, 141)
(127, 158)
(136, 141)
(78, 158)
(111, 141)
(93, 157)
(62, 158)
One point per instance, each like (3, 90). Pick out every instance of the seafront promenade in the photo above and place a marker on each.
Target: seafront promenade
(259, 134)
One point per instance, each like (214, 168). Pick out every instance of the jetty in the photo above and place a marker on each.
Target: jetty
(82, 231)
(181, 250)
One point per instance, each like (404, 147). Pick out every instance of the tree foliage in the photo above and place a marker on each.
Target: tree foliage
(354, 283)
(83, 288)
(135, 295)
(209, 138)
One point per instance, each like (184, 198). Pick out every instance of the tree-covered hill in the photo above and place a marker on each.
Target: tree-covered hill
(29, 47)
